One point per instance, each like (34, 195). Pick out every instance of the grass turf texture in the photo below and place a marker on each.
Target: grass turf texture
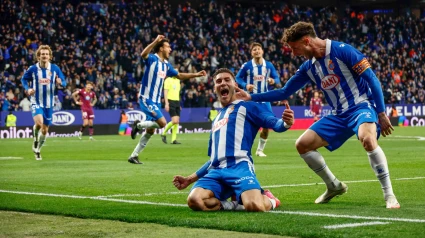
(97, 182)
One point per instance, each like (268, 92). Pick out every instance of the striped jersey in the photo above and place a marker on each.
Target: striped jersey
(257, 75)
(43, 81)
(233, 133)
(338, 75)
(153, 79)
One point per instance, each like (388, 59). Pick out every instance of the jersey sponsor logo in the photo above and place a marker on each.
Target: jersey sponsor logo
(44, 81)
(219, 124)
(62, 118)
(161, 74)
(135, 115)
(259, 77)
(88, 97)
(330, 81)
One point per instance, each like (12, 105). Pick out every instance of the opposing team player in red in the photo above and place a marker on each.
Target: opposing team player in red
(87, 99)
(316, 106)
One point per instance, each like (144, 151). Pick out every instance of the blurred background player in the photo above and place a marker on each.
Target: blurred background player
(254, 77)
(316, 105)
(86, 98)
(157, 69)
(172, 105)
(43, 76)
(230, 169)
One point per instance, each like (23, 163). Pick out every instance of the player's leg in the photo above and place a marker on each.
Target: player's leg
(368, 135)
(90, 123)
(331, 133)
(47, 121)
(264, 133)
(85, 123)
(262, 142)
(170, 124)
(175, 120)
(201, 199)
(37, 115)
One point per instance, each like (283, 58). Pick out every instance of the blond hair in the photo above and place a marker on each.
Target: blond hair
(44, 47)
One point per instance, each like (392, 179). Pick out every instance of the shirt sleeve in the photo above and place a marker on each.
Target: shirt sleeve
(27, 77)
(296, 82)
(171, 71)
(203, 170)
(61, 76)
(241, 77)
(353, 58)
(273, 73)
(263, 118)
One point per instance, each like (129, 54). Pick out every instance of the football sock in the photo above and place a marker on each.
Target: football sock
(41, 140)
(261, 144)
(379, 164)
(141, 145)
(35, 132)
(147, 124)
(316, 162)
(167, 127)
(82, 128)
(273, 202)
(231, 206)
(90, 130)
(174, 132)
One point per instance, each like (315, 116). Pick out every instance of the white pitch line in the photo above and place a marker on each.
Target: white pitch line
(356, 225)
(356, 181)
(94, 198)
(141, 195)
(313, 214)
(184, 205)
(9, 158)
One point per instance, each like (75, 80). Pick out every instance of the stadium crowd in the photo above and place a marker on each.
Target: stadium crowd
(102, 43)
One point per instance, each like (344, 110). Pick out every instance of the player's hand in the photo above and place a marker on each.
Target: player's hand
(288, 115)
(241, 94)
(386, 127)
(250, 87)
(78, 103)
(201, 73)
(167, 107)
(271, 81)
(58, 80)
(180, 182)
(159, 38)
(30, 92)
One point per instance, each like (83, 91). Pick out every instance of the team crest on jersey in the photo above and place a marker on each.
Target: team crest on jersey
(330, 81)
(161, 74)
(49, 73)
(331, 65)
(219, 124)
(258, 78)
(44, 81)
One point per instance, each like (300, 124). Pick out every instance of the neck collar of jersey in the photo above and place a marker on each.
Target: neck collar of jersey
(327, 51)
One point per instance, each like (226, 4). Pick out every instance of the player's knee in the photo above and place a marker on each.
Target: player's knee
(162, 124)
(254, 206)
(302, 145)
(369, 142)
(195, 203)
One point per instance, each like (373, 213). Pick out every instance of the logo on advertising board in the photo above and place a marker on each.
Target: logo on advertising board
(62, 118)
(135, 115)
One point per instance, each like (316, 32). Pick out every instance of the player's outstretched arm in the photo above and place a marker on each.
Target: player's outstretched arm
(148, 49)
(191, 75)
(181, 182)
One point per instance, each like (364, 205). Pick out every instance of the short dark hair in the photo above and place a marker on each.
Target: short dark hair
(298, 31)
(223, 70)
(254, 44)
(160, 44)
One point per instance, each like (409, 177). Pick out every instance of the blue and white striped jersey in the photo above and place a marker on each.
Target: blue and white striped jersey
(339, 75)
(153, 80)
(234, 130)
(257, 75)
(43, 81)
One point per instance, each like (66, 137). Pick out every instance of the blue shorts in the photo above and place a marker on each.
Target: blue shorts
(151, 109)
(336, 129)
(46, 112)
(230, 181)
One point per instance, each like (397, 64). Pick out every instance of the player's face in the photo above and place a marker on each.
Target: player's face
(257, 52)
(166, 50)
(89, 87)
(44, 56)
(301, 48)
(224, 87)
(316, 94)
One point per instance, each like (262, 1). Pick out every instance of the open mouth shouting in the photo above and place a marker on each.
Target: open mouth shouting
(224, 92)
